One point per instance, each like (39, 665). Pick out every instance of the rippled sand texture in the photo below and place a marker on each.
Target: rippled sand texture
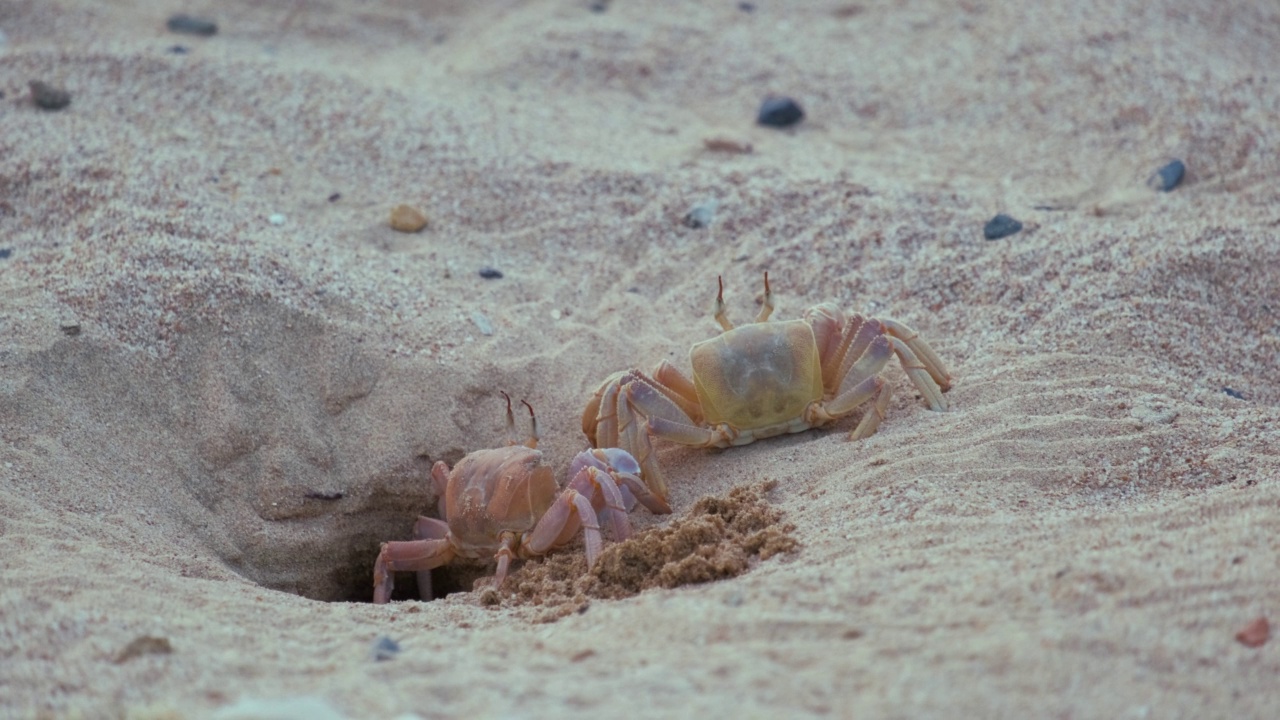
(224, 377)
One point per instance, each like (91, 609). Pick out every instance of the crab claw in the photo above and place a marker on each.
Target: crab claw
(625, 470)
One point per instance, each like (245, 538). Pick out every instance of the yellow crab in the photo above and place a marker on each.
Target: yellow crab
(763, 379)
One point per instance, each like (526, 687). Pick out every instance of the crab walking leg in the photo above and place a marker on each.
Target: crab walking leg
(667, 420)
(569, 510)
(428, 529)
(767, 308)
(868, 364)
(932, 363)
(919, 376)
(863, 381)
(595, 483)
(633, 437)
(602, 427)
(678, 388)
(871, 420)
(406, 555)
(862, 334)
(851, 340)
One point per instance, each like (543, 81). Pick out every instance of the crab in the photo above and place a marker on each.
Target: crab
(763, 379)
(503, 503)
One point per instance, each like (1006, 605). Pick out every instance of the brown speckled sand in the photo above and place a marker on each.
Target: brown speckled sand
(224, 377)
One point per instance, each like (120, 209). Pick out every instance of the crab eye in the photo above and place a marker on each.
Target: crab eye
(622, 461)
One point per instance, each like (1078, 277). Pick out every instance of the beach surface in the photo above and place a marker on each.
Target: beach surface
(224, 377)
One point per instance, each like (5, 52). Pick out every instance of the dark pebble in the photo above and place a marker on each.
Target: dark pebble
(178, 49)
(1000, 226)
(5, 253)
(384, 648)
(189, 25)
(48, 97)
(779, 112)
(746, 7)
(335, 197)
(489, 273)
(1167, 177)
(1233, 393)
(599, 7)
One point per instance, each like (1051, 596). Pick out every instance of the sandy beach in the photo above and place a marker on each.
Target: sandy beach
(225, 377)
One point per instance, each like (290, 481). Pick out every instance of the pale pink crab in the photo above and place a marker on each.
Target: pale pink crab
(503, 503)
(763, 379)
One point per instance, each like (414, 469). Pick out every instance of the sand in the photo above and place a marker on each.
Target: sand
(224, 376)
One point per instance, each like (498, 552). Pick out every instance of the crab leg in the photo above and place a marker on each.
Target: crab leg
(930, 360)
(560, 522)
(680, 389)
(633, 438)
(860, 334)
(871, 420)
(601, 423)
(918, 372)
(428, 529)
(666, 419)
(407, 555)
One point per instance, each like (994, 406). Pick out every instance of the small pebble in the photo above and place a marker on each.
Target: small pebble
(701, 215)
(555, 314)
(779, 112)
(384, 648)
(5, 252)
(1000, 226)
(407, 219)
(599, 7)
(276, 219)
(1255, 634)
(746, 7)
(48, 97)
(1233, 393)
(489, 273)
(189, 25)
(178, 49)
(69, 325)
(1167, 177)
(482, 321)
(726, 145)
(335, 197)
(143, 645)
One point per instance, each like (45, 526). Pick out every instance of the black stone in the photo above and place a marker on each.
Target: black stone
(384, 648)
(746, 6)
(335, 197)
(5, 253)
(178, 49)
(189, 25)
(779, 112)
(1167, 177)
(1233, 393)
(489, 273)
(1000, 226)
(48, 97)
